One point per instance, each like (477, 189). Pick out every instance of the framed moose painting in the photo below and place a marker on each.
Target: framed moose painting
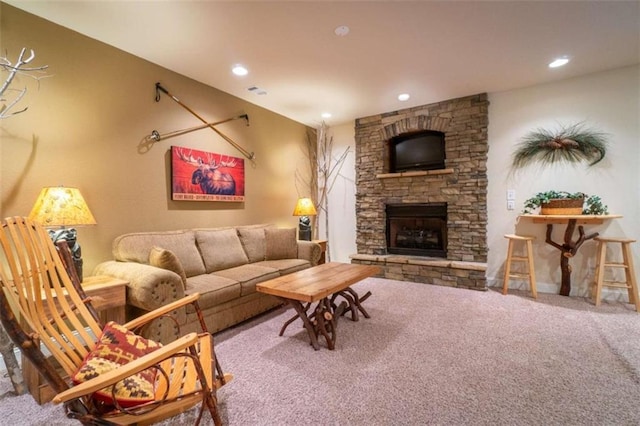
(205, 176)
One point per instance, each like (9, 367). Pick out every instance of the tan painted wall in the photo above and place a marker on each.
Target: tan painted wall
(85, 124)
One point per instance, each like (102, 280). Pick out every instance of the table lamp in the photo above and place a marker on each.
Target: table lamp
(304, 209)
(61, 206)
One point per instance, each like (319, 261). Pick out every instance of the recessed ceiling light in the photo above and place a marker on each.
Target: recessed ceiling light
(341, 31)
(559, 62)
(326, 115)
(239, 70)
(403, 97)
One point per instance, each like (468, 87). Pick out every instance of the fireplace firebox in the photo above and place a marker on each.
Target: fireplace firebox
(417, 229)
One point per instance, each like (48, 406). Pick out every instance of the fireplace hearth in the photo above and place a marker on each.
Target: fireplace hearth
(417, 229)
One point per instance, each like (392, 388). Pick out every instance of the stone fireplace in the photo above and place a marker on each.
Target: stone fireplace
(425, 225)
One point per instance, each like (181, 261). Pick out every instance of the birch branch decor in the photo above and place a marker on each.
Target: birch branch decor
(7, 104)
(6, 107)
(325, 168)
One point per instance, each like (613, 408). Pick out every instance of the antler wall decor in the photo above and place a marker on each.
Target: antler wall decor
(156, 136)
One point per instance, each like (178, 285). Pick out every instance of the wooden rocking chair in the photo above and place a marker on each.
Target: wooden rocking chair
(41, 291)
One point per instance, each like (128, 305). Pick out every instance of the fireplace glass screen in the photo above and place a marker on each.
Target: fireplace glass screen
(417, 229)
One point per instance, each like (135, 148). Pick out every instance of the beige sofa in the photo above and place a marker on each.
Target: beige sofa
(222, 264)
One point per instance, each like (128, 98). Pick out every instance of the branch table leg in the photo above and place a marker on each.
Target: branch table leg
(302, 313)
(355, 302)
(324, 322)
(567, 250)
(292, 319)
(350, 303)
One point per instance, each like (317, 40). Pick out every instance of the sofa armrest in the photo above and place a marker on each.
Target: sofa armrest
(310, 251)
(148, 287)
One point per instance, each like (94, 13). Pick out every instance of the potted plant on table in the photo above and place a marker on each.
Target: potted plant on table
(563, 202)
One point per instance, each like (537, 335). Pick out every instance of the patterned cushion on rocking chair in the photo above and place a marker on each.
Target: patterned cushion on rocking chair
(118, 346)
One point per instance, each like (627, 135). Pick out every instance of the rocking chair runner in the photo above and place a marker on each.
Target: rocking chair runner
(37, 287)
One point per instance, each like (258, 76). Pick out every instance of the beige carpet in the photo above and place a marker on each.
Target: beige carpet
(429, 355)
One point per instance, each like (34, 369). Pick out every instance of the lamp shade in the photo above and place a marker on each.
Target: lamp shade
(304, 207)
(61, 206)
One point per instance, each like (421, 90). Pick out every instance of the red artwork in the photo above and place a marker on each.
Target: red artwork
(205, 176)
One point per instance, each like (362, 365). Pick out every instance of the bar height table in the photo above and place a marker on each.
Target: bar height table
(569, 246)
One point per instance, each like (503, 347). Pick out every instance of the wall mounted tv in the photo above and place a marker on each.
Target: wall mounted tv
(417, 151)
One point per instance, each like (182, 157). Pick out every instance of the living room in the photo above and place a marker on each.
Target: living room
(87, 121)
(79, 132)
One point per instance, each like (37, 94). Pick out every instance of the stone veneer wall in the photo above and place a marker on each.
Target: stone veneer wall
(462, 185)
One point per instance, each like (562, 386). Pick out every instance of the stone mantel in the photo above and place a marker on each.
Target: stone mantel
(415, 173)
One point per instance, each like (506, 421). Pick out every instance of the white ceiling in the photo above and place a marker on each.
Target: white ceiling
(434, 50)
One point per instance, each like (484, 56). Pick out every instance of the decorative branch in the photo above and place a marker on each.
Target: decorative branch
(325, 169)
(6, 344)
(573, 143)
(13, 70)
(328, 170)
(308, 184)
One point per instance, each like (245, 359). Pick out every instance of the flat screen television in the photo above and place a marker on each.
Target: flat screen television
(417, 151)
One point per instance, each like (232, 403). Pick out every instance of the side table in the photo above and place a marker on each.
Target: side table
(323, 248)
(108, 296)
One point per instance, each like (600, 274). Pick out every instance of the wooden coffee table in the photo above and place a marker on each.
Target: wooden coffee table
(321, 284)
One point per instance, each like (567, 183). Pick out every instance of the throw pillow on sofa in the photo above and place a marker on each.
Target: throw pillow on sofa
(135, 247)
(165, 259)
(254, 243)
(220, 249)
(281, 243)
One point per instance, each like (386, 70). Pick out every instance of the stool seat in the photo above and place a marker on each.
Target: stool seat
(627, 265)
(614, 240)
(528, 259)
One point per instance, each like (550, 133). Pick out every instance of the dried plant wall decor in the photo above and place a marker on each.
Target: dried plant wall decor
(572, 143)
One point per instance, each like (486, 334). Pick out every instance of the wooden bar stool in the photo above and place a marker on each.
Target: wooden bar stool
(530, 274)
(627, 264)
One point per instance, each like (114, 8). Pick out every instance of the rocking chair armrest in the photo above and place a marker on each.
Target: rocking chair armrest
(156, 313)
(107, 379)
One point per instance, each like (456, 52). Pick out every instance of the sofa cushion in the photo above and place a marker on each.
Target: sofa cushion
(254, 243)
(135, 247)
(165, 259)
(214, 290)
(280, 243)
(286, 266)
(249, 276)
(221, 249)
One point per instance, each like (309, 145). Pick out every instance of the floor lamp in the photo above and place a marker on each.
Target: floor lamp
(63, 207)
